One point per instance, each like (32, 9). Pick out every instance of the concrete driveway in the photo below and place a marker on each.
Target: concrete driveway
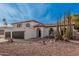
(3, 40)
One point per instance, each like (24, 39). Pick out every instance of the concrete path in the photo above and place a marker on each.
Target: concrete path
(3, 40)
(73, 41)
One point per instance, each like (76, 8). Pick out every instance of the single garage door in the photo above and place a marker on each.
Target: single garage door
(7, 34)
(18, 34)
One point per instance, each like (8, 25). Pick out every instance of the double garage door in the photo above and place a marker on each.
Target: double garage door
(15, 34)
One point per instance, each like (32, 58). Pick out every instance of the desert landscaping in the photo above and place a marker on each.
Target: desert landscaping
(39, 29)
(37, 48)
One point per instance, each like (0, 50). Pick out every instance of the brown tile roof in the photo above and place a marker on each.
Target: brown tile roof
(27, 21)
(49, 25)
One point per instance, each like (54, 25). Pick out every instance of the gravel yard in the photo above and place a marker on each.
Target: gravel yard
(38, 49)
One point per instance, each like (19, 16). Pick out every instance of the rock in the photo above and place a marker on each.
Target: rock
(44, 43)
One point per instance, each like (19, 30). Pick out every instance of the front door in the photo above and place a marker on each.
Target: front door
(38, 32)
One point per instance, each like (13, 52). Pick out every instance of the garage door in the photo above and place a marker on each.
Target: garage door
(18, 34)
(7, 34)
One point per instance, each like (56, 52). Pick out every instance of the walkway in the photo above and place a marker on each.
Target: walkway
(74, 41)
(3, 40)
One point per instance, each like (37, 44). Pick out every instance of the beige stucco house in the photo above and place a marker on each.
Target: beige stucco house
(29, 29)
(25, 30)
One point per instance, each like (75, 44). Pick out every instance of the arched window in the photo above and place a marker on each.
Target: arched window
(27, 25)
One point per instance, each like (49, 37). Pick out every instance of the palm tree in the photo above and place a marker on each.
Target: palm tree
(5, 23)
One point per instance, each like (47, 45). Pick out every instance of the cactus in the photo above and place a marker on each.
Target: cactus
(69, 27)
(58, 35)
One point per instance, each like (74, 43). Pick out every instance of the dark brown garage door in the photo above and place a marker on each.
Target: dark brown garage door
(7, 34)
(18, 34)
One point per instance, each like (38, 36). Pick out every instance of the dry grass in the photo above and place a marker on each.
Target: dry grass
(37, 48)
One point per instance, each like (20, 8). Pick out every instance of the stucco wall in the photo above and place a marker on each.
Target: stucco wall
(45, 32)
(23, 25)
(29, 33)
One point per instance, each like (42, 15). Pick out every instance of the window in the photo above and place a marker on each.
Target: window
(1, 32)
(27, 25)
(18, 25)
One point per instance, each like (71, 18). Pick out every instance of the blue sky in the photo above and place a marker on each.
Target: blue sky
(43, 12)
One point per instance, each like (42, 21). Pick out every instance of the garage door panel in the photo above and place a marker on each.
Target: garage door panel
(7, 34)
(18, 34)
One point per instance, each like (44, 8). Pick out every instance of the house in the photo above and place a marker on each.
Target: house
(23, 30)
(30, 29)
(34, 29)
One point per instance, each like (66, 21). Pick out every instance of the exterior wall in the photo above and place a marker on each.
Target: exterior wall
(45, 32)
(24, 25)
(29, 33)
(2, 34)
(42, 32)
(4, 29)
